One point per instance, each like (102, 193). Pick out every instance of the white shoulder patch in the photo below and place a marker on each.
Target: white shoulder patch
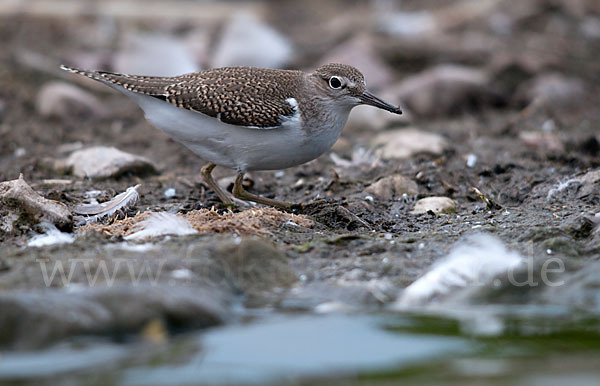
(293, 102)
(294, 120)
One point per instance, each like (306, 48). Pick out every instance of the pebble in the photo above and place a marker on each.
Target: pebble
(404, 143)
(392, 186)
(542, 140)
(367, 118)
(20, 152)
(105, 162)
(170, 193)
(22, 206)
(407, 24)
(471, 160)
(551, 89)
(64, 100)
(360, 53)
(435, 204)
(154, 54)
(247, 41)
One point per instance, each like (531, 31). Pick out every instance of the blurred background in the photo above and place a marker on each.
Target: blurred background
(499, 94)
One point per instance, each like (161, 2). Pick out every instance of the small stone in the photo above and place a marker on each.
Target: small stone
(366, 118)
(105, 162)
(542, 140)
(154, 54)
(246, 41)
(64, 100)
(435, 204)
(471, 160)
(591, 27)
(551, 89)
(407, 24)
(404, 143)
(393, 186)
(170, 192)
(20, 205)
(360, 53)
(442, 90)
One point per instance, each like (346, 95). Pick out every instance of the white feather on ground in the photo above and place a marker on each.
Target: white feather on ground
(476, 261)
(51, 236)
(94, 212)
(160, 224)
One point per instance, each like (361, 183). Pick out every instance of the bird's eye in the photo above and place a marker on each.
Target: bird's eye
(335, 82)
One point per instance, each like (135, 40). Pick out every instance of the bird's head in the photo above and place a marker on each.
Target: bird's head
(346, 85)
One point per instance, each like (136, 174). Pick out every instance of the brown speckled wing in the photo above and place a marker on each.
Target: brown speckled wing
(243, 96)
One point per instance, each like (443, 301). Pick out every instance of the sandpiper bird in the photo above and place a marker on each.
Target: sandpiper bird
(249, 118)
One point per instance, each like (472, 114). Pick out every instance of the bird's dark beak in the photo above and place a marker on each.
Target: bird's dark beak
(369, 99)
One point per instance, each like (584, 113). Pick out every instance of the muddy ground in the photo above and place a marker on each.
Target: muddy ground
(360, 251)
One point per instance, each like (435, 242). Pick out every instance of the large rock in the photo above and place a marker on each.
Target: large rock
(104, 162)
(63, 100)
(392, 186)
(442, 90)
(246, 41)
(404, 143)
(21, 206)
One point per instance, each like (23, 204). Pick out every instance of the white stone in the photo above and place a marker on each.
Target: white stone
(246, 41)
(104, 162)
(170, 192)
(404, 143)
(435, 204)
(154, 54)
(360, 53)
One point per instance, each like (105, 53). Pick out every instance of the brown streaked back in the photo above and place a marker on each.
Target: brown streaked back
(243, 96)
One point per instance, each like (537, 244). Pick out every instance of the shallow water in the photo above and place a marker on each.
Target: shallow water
(496, 345)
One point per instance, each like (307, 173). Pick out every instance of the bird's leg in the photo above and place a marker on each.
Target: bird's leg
(242, 194)
(207, 176)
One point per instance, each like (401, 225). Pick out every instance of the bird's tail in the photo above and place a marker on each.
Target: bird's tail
(90, 74)
(148, 85)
